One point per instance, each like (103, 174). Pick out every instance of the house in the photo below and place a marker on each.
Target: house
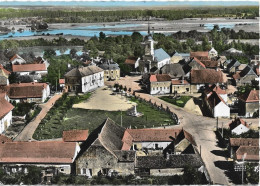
(255, 60)
(132, 62)
(102, 154)
(84, 79)
(112, 150)
(211, 64)
(28, 92)
(5, 113)
(161, 166)
(62, 82)
(233, 66)
(176, 57)
(75, 135)
(185, 56)
(252, 154)
(160, 84)
(204, 77)
(217, 106)
(52, 156)
(111, 70)
(245, 76)
(249, 103)
(193, 64)
(182, 86)
(30, 69)
(221, 60)
(236, 143)
(16, 59)
(215, 88)
(238, 126)
(173, 70)
(4, 74)
(200, 55)
(213, 53)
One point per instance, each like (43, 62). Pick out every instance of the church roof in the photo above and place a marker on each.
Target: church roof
(160, 54)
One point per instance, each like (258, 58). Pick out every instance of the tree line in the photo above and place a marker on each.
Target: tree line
(77, 16)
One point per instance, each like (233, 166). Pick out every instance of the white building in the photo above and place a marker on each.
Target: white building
(160, 84)
(28, 92)
(16, 59)
(218, 106)
(84, 79)
(5, 113)
(213, 53)
(30, 69)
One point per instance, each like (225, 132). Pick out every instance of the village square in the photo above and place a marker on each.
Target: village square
(135, 107)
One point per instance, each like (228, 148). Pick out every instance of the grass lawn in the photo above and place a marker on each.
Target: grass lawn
(179, 101)
(73, 118)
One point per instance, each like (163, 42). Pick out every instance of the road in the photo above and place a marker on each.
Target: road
(201, 127)
(29, 129)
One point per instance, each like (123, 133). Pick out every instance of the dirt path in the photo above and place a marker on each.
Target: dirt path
(28, 131)
(202, 129)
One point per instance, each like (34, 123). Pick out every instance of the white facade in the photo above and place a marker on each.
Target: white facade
(213, 53)
(159, 145)
(160, 88)
(221, 110)
(45, 93)
(160, 64)
(5, 122)
(92, 81)
(19, 60)
(30, 72)
(240, 129)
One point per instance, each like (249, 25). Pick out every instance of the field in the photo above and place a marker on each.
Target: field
(62, 119)
(179, 101)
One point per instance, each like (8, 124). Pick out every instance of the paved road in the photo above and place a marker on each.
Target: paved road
(202, 129)
(28, 131)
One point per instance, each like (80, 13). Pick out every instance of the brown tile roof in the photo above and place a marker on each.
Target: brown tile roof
(14, 57)
(252, 96)
(150, 134)
(202, 55)
(236, 75)
(61, 81)
(29, 67)
(75, 135)
(55, 152)
(214, 88)
(210, 76)
(160, 78)
(4, 139)
(237, 121)
(5, 107)
(199, 62)
(210, 64)
(251, 151)
(244, 142)
(179, 82)
(4, 70)
(25, 90)
(83, 71)
(130, 60)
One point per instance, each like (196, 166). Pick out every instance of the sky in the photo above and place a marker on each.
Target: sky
(126, 3)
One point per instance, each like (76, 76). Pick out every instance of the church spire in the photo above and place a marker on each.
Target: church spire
(149, 33)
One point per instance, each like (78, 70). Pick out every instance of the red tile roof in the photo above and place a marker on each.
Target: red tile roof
(210, 64)
(244, 142)
(236, 122)
(210, 76)
(4, 139)
(252, 96)
(14, 57)
(252, 153)
(75, 135)
(61, 81)
(214, 88)
(160, 78)
(5, 107)
(26, 90)
(38, 152)
(214, 99)
(179, 82)
(4, 70)
(130, 60)
(29, 67)
(202, 55)
(198, 61)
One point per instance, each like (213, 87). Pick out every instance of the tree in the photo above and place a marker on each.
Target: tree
(49, 53)
(136, 37)
(205, 44)
(34, 175)
(73, 52)
(13, 78)
(102, 36)
(125, 89)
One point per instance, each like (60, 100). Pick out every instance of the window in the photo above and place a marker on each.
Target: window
(61, 169)
(83, 171)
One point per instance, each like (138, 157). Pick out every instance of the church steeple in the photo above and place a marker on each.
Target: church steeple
(149, 33)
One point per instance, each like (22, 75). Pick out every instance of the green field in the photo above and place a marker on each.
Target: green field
(61, 118)
(179, 101)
